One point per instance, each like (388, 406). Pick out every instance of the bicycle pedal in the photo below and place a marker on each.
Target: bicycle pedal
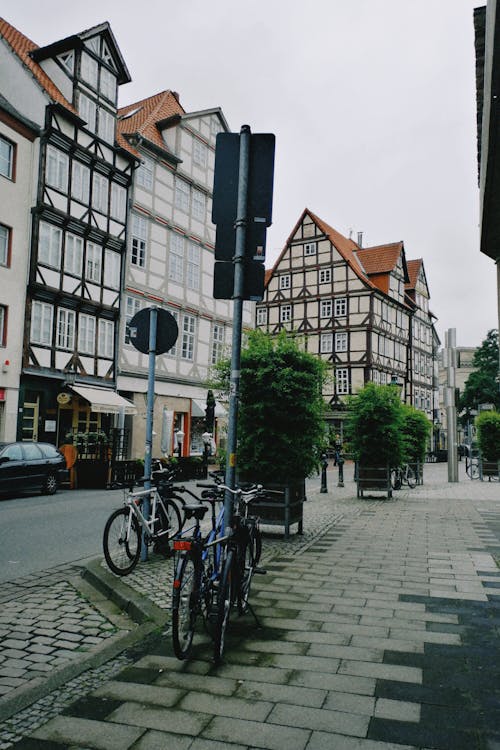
(260, 571)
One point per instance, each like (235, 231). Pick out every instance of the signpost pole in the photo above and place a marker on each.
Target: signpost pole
(239, 280)
(153, 324)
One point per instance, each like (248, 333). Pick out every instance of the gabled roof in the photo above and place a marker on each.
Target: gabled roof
(141, 118)
(414, 267)
(380, 258)
(22, 47)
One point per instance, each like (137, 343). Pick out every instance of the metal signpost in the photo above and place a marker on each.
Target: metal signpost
(450, 358)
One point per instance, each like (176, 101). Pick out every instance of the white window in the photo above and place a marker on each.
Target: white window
(285, 313)
(73, 254)
(132, 306)
(86, 334)
(310, 248)
(93, 263)
(139, 237)
(376, 377)
(181, 198)
(285, 282)
(6, 158)
(118, 208)
(341, 342)
(112, 269)
(106, 126)
(340, 307)
(188, 331)
(261, 316)
(173, 351)
(41, 323)
(325, 308)
(89, 69)
(342, 381)
(66, 328)
(217, 342)
(56, 169)
(176, 260)
(193, 266)
(87, 109)
(108, 84)
(325, 275)
(4, 245)
(80, 182)
(3, 325)
(326, 343)
(199, 205)
(100, 192)
(106, 338)
(49, 245)
(199, 153)
(144, 175)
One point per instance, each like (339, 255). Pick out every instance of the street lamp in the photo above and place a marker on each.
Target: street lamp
(207, 441)
(179, 435)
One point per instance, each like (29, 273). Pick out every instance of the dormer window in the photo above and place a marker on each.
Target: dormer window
(89, 70)
(68, 61)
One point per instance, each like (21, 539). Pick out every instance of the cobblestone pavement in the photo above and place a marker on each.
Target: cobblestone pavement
(463, 573)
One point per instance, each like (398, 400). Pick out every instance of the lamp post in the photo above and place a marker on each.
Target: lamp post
(179, 436)
(207, 440)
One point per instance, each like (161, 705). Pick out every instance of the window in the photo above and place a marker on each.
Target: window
(193, 266)
(342, 381)
(73, 255)
(65, 329)
(261, 316)
(106, 125)
(144, 175)
(188, 330)
(118, 202)
(132, 306)
(6, 158)
(341, 307)
(176, 260)
(105, 340)
(285, 314)
(112, 269)
(173, 351)
(86, 334)
(93, 263)
(68, 60)
(56, 169)
(181, 198)
(3, 325)
(217, 342)
(80, 182)
(4, 245)
(285, 282)
(41, 323)
(100, 193)
(89, 69)
(199, 205)
(139, 236)
(325, 308)
(325, 275)
(108, 84)
(199, 153)
(326, 343)
(310, 248)
(341, 342)
(87, 110)
(49, 245)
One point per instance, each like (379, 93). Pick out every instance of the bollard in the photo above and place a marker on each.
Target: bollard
(324, 464)
(340, 461)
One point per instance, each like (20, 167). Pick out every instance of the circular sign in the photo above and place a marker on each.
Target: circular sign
(63, 398)
(166, 330)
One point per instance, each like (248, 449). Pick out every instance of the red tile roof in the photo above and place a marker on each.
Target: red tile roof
(380, 258)
(414, 267)
(145, 115)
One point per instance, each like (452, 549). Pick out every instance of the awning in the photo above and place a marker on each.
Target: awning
(104, 400)
(198, 409)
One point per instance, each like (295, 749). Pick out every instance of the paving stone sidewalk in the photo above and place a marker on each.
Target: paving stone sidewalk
(381, 633)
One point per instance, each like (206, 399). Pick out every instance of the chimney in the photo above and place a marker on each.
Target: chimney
(360, 239)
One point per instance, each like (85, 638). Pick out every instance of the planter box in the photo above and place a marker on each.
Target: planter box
(286, 510)
(491, 469)
(374, 478)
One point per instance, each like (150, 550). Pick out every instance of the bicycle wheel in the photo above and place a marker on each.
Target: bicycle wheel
(224, 604)
(169, 518)
(473, 469)
(121, 546)
(411, 477)
(248, 564)
(177, 515)
(184, 606)
(395, 479)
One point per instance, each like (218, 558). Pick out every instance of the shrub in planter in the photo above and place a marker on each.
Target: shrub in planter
(374, 426)
(488, 434)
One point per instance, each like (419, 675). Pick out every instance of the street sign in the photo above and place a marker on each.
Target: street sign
(166, 330)
(255, 244)
(253, 285)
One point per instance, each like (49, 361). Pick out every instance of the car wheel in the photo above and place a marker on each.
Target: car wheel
(50, 485)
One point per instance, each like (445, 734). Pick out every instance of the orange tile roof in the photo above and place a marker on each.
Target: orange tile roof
(380, 258)
(146, 114)
(22, 46)
(414, 267)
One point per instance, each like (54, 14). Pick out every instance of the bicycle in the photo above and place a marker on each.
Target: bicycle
(128, 528)
(472, 467)
(403, 475)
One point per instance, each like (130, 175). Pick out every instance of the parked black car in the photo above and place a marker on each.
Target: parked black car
(31, 466)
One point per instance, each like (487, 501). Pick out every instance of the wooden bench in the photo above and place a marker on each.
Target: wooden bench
(374, 478)
(285, 510)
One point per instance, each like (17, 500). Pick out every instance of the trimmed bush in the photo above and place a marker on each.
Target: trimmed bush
(374, 426)
(488, 434)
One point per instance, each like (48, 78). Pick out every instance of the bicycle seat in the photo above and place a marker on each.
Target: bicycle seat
(195, 511)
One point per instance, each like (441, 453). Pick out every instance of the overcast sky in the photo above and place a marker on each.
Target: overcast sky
(372, 103)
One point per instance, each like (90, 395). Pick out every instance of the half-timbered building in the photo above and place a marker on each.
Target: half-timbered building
(78, 228)
(350, 306)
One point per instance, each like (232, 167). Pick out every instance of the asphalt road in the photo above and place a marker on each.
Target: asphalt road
(40, 531)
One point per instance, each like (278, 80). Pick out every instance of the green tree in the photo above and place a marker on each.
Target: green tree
(374, 426)
(482, 386)
(416, 429)
(488, 434)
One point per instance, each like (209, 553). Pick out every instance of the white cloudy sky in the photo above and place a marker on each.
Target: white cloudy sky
(372, 103)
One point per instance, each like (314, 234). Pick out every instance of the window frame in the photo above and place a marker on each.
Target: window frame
(53, 257)
(145, 173)
(325, 276)
(285, 281)
(106, 338)
(310, 248)
(75, 253)
(4, 315)
(285, 313)
(193, 266)
(56, 169)
(5, 245)
(326, 343)
(325, 308)
(45, 323)
(218, 342)
(340, 307)
(112, 269)
(65, 329)
(100, 193)
(261, 316)
(93, 263)
(341, 336)
(342, 379)
(84, 335)
(182, 195)
(9, 159)
(132, 306)
(188, 337)
(80, 182)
